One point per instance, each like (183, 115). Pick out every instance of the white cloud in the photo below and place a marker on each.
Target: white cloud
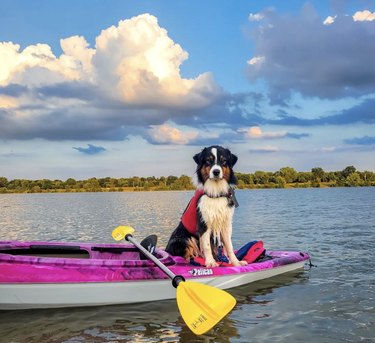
(256, 132)
(37, 65)
(365, 15)
(256, 16)
(135, 62)
(166, 134)
(77, 55)
(143, 65)
(329, 20)
(131, 78)
(255, 60)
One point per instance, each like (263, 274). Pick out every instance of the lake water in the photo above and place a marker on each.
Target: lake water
(333, 302)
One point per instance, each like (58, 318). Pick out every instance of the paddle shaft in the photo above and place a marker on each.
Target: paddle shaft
(176, 278)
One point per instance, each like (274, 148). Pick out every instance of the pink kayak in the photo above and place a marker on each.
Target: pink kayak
(49, 275)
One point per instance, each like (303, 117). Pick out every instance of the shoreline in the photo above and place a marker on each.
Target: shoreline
(284, 178)
(156, 189)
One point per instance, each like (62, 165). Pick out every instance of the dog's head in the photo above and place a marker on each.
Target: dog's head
(215, 163)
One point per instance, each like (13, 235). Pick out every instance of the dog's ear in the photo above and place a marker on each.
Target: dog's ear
(198, 158)
(233, 159)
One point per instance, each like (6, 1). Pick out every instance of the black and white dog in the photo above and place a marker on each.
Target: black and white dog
(207, 221)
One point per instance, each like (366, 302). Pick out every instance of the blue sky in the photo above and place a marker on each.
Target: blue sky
(122, 88)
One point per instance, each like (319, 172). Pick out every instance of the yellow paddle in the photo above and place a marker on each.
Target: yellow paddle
(201, 306)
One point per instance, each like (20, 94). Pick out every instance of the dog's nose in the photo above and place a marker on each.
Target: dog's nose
(216, 172)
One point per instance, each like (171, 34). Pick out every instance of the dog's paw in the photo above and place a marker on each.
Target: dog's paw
(211, 263)
(239, 263)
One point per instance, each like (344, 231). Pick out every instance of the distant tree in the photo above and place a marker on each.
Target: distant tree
(182, 183)
(261, 177)
(58, 184)
(70, 183)
(289, 174)
(368, 177)
(303, 177)
(92, 185)
(353, 180)
(45, 184)
(3, 182)
(171, 179)
(122, 182)
(331, 177)
(318, 174)
(347, 171)
(35, 189)
(246, 178)
(280, 182)
(241, 184)
(134, 181)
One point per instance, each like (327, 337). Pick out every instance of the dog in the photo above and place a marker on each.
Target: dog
(206, 224)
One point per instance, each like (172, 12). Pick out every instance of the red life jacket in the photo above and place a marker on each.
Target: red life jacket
(189, 217)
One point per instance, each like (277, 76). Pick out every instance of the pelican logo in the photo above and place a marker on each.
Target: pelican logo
(201, 272)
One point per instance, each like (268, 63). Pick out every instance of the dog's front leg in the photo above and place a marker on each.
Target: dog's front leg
(205, 245)
(227, 241)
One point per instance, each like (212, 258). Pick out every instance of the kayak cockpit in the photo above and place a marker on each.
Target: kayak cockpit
(47, 252)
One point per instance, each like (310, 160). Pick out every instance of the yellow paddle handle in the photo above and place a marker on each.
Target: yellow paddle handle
(121, 231)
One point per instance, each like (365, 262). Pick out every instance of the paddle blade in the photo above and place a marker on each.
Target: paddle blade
(120, 232)
(149, 243)
(202, 306)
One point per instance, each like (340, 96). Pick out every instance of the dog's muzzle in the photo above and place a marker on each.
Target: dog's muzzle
(216, 173)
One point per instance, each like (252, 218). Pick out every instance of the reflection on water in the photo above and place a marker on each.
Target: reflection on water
(151, 322)
(331, 303)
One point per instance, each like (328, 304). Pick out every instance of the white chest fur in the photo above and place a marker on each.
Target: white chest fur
(216, 214)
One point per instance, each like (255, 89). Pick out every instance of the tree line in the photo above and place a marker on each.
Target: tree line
(286, 177)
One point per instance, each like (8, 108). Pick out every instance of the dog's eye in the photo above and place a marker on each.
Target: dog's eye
(209, 161)
(223, 161)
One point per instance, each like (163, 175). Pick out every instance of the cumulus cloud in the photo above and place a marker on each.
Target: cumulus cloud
(365, 15)
(171, 134)
(255, 132)
(37, 65)
(143, 63)
(166, 134)
(130, 78)
(135, 61)
(91, 149)
(301, 54)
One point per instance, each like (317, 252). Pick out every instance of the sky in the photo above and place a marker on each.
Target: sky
(121, 88)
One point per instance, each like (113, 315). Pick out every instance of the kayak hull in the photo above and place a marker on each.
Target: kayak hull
(47, 278)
